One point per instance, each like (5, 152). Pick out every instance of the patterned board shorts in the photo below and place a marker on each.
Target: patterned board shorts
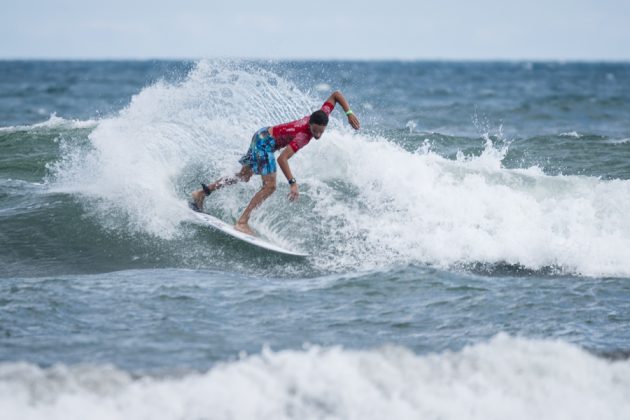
(260, 155)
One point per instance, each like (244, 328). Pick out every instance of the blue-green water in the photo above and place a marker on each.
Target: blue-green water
(470, 245)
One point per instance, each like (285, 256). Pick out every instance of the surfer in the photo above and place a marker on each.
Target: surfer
(260, 160)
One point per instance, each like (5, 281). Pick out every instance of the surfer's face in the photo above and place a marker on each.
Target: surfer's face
(317, 130)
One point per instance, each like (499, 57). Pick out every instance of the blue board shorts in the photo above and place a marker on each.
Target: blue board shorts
(260, 155)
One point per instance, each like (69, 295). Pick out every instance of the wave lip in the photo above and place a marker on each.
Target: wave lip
(505, 378)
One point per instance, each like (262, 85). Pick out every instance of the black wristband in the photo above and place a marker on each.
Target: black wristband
(292, 181)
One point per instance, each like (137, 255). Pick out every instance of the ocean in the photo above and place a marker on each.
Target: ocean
(469, 246)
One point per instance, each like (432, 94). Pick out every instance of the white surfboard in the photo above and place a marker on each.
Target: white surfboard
(219, 224)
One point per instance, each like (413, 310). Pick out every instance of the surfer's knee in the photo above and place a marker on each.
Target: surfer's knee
(269, 186)
(245, 174)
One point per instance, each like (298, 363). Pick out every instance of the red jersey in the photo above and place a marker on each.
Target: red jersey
(296, 133)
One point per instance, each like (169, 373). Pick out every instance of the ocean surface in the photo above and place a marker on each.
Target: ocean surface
(469, 246)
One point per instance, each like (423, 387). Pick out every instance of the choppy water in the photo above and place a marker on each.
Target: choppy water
(470, 244)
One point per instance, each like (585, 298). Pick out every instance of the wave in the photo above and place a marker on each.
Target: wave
(367, 201)
(504, 378)
(572, 134)
(53, 122)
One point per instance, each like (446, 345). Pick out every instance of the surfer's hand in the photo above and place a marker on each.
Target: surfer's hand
(294, 193)
(354, 121)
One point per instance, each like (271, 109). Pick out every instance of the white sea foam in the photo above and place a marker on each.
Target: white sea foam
(573, 134)
(505, 378)
(52, 122)
(366, 201)
(425, 208)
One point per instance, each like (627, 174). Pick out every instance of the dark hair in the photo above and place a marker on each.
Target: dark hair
(318, 117)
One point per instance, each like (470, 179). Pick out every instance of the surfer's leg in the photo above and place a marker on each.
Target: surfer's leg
(199, 196)
(268, 188)
(242, 176)
(197, 200)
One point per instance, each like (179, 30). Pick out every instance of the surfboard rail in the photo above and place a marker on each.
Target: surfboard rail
(218, 224)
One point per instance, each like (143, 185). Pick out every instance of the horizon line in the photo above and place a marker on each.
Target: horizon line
(293, 59)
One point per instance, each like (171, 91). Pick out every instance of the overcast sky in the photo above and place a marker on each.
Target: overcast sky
(341, 29)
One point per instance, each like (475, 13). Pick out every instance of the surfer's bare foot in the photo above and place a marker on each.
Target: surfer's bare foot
(198, 197)
(244, 227)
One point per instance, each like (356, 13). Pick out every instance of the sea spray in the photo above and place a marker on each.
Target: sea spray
(140, 164)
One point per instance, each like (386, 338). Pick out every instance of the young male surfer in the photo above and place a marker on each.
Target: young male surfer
(260, 158)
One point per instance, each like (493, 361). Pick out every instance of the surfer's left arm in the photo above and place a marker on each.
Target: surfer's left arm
(283, 162)
(338, 98)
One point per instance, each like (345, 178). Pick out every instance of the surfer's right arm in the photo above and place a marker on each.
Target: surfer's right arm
(283, 162)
